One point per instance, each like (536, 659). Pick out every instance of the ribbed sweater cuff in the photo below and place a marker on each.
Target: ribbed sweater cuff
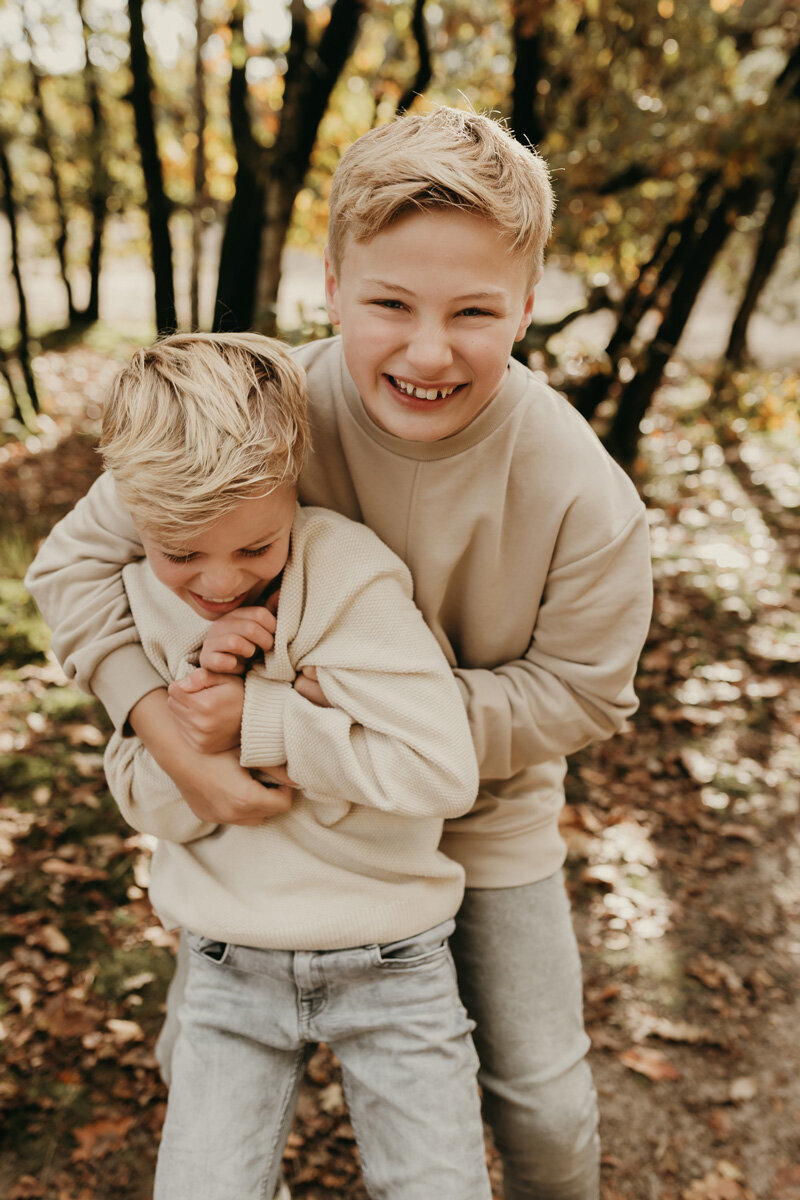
(263, 741)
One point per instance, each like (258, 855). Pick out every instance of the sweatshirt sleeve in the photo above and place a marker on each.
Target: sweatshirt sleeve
(76, 580)
(396, 736)
(146, 796)
(574, 685)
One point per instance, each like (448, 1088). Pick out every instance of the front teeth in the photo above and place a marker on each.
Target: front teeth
(423, 393)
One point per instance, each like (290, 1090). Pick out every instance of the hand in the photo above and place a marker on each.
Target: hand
(208, 710)
(234, 638)
(307, 684)
(218, 788)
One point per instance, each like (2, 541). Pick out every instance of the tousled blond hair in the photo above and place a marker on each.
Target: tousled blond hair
(199, 422)
(445, 159)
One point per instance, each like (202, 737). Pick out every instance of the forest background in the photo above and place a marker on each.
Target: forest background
(167, 164)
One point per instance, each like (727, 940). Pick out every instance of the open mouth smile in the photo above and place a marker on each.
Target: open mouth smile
(414, 392)
(213, 605)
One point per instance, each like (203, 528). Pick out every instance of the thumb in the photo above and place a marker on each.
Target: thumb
(196, 681)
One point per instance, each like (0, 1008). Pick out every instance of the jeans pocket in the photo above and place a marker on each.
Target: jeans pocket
(412, 952)
(207, 948)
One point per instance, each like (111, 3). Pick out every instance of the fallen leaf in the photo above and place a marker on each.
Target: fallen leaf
(743, 1089)
(100, 1138)
(786, 1183)
(654, 1064)
(124, 1031)
(714, 973)
(50, 937)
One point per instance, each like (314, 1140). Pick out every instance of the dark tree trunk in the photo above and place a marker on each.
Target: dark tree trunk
(99, 187)
(636, 395)
(785, 186)
(46, 141)
(268, 180)
(310, 78)
(199, 169)
(157, 208)
(424, 70)
(672, 254)
(528, 65)
(23, 348)
(241, 242)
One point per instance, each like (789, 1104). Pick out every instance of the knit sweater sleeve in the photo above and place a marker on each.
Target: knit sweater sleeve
(146, 796)
(76, 580)
(574, 684)
(396, 736)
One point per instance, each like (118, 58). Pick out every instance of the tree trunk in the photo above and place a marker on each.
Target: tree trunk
(241, 242)
(528, 65)
(47, 143)
(310, 77)
(157, 208)
(623, 436)
(671, 255)
(424, 70)
(785, 186)
(199, 168)
(99, 187)
(23, 347)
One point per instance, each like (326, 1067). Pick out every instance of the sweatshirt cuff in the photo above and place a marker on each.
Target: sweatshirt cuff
(263, 741)
(122, 679)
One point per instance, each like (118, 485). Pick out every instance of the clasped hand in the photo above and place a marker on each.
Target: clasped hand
(208, 703)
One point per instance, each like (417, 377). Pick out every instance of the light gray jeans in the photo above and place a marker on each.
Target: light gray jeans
(392, 1016)
(520, 978)
(519, 973)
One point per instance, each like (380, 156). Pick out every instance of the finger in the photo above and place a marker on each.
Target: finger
(196, 681)
(280, 775)
(310, 673)
(221, 662)
(233, 643)
(311, 691)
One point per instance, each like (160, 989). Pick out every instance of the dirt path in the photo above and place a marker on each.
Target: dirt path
(683, 863)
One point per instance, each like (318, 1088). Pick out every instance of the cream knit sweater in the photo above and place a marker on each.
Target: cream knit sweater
(355, 860)
(530, 556)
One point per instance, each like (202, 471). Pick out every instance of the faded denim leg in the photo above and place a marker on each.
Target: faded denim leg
(236, 1070)
(393, 1016)
(520, 978)
(409, 1068)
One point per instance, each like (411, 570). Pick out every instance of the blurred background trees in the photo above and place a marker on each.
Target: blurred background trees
(202, 134)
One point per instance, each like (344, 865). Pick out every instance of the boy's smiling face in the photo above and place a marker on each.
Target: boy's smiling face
(429, 310)
(233, 561)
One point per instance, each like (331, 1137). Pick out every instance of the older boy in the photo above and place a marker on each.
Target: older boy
(329, 920)
(529, 552)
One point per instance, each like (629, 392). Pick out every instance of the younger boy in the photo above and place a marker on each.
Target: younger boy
(329, 920)
(530, 557)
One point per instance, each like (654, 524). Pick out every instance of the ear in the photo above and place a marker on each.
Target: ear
(331, 290)
(527, 314)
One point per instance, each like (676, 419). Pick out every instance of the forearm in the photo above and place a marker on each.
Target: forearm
(76, 579)
(147, 798)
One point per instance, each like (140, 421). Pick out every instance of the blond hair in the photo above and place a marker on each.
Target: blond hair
(445, 159)
(198, 422)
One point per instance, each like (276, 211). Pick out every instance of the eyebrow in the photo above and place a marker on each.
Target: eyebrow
(492, 294)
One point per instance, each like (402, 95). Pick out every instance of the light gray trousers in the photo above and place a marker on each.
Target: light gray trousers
(520, 979)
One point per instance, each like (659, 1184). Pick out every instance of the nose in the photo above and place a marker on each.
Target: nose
(221, 582)
(429, 352)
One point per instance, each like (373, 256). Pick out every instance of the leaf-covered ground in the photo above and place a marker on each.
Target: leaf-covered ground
(682, 833)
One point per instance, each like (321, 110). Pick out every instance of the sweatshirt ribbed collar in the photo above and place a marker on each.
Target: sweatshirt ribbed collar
(486, 422)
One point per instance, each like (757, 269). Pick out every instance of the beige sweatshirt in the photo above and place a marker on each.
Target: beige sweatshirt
(356, 858)
(529, 551)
